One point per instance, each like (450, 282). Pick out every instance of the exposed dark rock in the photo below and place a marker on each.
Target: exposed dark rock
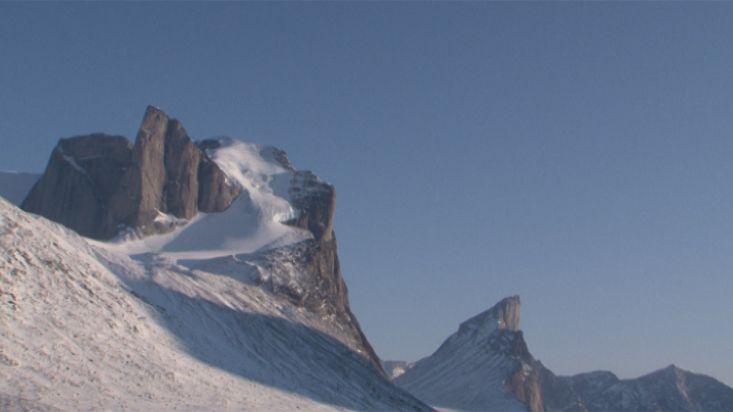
(316, 202)
(79, 183)
(322, 262)
(215, 191)
(503, 316)
(282, 158)
(98, 185)
(146, 178)
(182, 161)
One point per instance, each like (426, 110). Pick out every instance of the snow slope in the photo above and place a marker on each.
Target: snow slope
(73, 336)
(85, 328)
(14, 186)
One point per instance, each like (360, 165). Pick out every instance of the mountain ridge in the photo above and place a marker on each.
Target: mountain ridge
(488, 360)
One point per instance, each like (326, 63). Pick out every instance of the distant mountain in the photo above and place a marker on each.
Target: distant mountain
(486, 366)
(483, 366)
(208, 279)
(14, 186)
(669, 389)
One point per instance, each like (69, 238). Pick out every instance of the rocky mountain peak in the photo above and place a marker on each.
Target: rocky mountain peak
(502, 316)
(671, 373)
(99, 185)
(486, 365)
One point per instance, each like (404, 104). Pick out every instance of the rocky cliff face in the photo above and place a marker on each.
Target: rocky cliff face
(99, 185)
(80, 181)
(327, 294)
(502, 316)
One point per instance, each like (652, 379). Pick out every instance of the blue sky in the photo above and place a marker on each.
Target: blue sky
(577, 154)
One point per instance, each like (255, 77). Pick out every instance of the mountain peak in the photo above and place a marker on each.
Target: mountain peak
(486, 365)
(101, 186)
(670, 372)
(502, 316)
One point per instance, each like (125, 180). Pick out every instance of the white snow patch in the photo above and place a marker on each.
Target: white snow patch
(170, 220)
(254, 222)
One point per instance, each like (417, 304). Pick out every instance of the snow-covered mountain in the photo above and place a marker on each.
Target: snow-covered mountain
(240, 309)
(486, 366)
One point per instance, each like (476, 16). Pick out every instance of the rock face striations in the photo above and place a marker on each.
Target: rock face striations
(99, 185)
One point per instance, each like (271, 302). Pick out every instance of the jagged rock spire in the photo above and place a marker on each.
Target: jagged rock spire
(99, 184)
(504, 316)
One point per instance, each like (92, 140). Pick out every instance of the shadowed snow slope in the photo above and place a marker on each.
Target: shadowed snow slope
(88, 328)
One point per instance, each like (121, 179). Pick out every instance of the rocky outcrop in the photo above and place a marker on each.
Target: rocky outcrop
(215, 192)
(524, 382)
(80, 182)
(315, 202)
(99, 185)
(502, 316)
(507, 313)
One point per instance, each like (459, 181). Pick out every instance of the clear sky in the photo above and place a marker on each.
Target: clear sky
(577, 154)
